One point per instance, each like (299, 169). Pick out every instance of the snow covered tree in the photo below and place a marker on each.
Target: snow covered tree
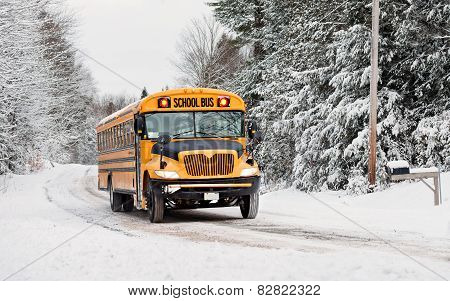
(21, 84)
(246, 19)
(71, 89)
(46, 91)
(144, 93)
(315, 85)
(432, 140)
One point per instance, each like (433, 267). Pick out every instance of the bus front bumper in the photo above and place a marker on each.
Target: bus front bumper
(196, 189)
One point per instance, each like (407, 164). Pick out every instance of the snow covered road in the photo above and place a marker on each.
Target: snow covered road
(56, 225)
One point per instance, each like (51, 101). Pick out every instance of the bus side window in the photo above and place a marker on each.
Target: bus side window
(128, 133)
(122, 135)
(130, 130)
(114, 135)
(102, 138)
(125, 133)
(119, 136)
(109, 139)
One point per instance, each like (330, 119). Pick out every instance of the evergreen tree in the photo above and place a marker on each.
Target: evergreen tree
(144, 93)
(247, 20)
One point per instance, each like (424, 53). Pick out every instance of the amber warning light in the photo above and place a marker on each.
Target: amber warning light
(223, 101)
(164, 102)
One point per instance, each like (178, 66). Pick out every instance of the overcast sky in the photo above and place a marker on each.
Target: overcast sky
(135, 38)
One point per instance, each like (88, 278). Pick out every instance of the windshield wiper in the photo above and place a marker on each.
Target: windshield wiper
(209, 134)
(182, 133)
(191, 131)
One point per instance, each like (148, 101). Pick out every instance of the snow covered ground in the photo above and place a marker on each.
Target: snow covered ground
(55, 225)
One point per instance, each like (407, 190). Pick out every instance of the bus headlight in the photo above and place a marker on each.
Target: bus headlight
(167, 174)
(248, 172)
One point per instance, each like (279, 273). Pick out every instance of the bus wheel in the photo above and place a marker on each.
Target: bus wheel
(128, 204)
(155, 205)
(249, 205)
(115, 199)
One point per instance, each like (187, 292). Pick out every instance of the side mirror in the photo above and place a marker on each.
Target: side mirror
(258, 138)
(139, 123)
(252, 129)
(164, 139)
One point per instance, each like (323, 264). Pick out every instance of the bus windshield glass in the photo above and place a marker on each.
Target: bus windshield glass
(211, 124)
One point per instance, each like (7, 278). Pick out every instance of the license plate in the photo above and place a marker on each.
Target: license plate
(211, 196)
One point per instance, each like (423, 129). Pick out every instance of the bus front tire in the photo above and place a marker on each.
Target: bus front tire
(155, 206)
(249, 205)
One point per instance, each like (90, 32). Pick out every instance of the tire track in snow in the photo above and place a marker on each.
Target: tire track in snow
(65, 198)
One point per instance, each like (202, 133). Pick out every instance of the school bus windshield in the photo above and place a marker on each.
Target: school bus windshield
(210, 124)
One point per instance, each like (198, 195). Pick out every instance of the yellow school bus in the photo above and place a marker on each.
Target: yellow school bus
(180, 149)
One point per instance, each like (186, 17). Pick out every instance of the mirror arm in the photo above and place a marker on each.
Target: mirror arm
(162, 164)
(251, 159)
(162, 140)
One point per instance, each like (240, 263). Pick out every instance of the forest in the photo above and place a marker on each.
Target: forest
(49, 105)
(302, 66)
(307, 83)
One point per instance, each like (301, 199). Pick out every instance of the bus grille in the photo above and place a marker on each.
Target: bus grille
(200, 165)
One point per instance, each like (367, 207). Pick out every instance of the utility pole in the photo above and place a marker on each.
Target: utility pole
(374, 94)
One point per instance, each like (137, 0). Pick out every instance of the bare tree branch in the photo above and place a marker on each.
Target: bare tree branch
(207, 55)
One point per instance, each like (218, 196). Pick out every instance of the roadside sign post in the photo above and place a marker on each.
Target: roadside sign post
(374, 95)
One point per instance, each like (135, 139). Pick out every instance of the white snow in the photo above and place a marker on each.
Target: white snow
(397, 164)
(296, 236)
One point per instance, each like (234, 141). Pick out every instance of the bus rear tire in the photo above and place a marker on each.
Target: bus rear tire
(249, 205)
(155, 206)
(128, 204)
(115, 199)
